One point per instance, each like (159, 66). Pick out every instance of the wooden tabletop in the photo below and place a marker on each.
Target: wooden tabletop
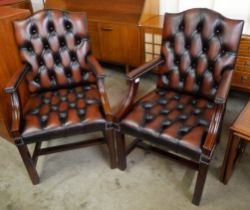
(154, 22)
(242, 123)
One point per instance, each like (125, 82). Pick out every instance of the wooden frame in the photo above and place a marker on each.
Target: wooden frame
(211, 138)
(31, 160)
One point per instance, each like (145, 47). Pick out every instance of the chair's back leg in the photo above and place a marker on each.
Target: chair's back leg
(29, 164)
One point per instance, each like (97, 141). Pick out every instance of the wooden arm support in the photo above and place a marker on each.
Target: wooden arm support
(221, 95)
(95, 66)
(99, 72)
(16, 80)
(134, 80)
(104, 99)
(128, 100)
(213, 129)
(12, 88)
(144, 68)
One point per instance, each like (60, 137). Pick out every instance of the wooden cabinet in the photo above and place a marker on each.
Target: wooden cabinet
(112, 42)
(9, 61)
(114, 26)
(152, 38)
(241, 78)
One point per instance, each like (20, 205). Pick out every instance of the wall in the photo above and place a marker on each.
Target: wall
(237, 9)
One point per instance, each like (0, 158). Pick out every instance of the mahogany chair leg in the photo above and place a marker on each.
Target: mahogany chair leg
(200, 182)
(111, 146)
(29, 164)
(121, 151)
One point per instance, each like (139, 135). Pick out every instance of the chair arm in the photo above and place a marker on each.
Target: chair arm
(144, 68)
(12, 88)
(213, 129)
(99, 72)
(128, 100)
(16, 80)
(95, 66)
(224, 87)
(104, 98)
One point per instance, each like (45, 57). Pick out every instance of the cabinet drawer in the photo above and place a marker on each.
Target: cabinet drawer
(113, 42)
(94, 39)
(241, 80)
(244, 46)
(243, 64)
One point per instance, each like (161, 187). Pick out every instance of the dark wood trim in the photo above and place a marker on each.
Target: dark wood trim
(191, 164)
(66, 147)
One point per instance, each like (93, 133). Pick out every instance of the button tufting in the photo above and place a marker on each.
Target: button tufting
(44, 118)
(185, 129)
(162, 101)
(72, 105)
(81, 112)
(181, 27)
(203, 122)
(33, 30)
(183, 117)
(165, 111)
(149, 117)
(166, 123)
(147, 105)
(197, 111)
(180, 106)
(161, 92)
(62, 115)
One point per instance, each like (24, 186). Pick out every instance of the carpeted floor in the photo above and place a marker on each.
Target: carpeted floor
(82, 179)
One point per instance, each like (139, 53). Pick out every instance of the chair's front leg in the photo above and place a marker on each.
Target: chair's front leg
(200, 182)
(29, 164)
(109, 136)
(121, 150)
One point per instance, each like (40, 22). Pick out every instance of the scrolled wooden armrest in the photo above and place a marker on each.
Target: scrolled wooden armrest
(224, 87)
(213, 129)
(128, 100)
(99, 72)
(95, 66)
(104, 99)
(12, 88)
(16, 80)
(134, 74)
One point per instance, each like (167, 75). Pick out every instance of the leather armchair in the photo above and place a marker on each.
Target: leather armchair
(182, 117)
(64, 85)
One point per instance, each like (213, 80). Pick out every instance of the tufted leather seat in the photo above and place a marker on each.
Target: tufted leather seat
(182, 117)
(64, 86)
(52, 112)
(179, 121)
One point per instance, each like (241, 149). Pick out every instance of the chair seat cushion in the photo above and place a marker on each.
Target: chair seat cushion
(178, 121)
(62, 112)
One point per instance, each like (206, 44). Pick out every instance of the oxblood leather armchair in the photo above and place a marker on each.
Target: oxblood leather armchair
(181, 118)
(64, 86)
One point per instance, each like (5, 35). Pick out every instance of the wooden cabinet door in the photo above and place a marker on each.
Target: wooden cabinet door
(133, 46)
(113, 42)
(9, 62)
(94, 39)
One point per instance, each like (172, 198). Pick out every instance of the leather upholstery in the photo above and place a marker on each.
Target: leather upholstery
(199, 45)
(51, 113)
(179, 121)
(64, 96)
(54, 45)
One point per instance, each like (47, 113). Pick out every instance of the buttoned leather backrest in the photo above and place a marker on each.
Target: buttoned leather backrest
(54, 44)
(198, 46)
